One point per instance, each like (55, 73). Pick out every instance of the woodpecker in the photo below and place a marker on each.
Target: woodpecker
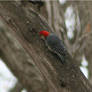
(54, 44)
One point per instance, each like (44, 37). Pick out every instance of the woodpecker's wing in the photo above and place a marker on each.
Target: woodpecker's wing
(56, 46)
(60, 50)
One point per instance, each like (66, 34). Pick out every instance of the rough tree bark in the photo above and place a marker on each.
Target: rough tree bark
(27, 56)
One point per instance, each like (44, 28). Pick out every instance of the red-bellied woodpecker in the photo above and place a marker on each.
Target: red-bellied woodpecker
(54, 44)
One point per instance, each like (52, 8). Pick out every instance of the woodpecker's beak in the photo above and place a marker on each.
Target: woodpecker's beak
(42, 37)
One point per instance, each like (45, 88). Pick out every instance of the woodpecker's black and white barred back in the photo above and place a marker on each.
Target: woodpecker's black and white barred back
(56, 45)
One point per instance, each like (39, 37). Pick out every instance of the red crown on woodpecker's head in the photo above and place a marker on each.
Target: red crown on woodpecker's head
(44, 33)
